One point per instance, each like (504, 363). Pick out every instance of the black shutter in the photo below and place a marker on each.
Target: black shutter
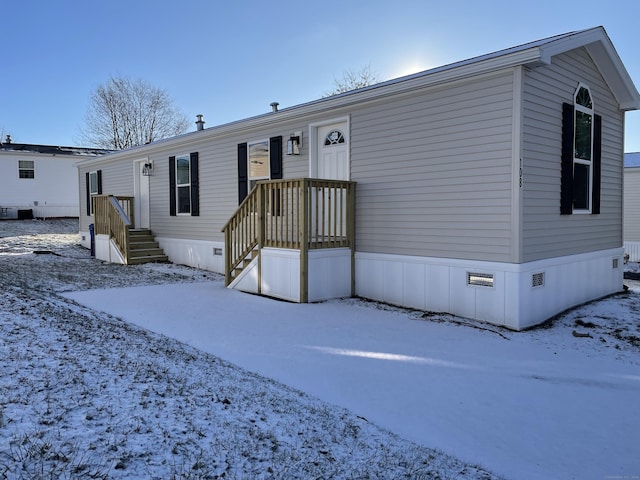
(597, 163)
(243, 178)
(87, 177)
(275, 157)
(99, 174)
(566, 173)
(172, 186)
(195, 185)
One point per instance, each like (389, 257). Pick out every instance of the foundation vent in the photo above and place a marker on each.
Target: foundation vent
(480, 279)
(615, 263)
(537, 279)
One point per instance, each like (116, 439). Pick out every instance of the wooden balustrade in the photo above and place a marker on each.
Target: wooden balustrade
(301, 214)
(113, 216)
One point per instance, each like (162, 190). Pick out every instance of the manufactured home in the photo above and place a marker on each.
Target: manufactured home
(631, 230)
(490, 189)
(40, 181)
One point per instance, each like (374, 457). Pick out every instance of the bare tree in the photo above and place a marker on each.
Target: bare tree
(353, 79)
(124, 113)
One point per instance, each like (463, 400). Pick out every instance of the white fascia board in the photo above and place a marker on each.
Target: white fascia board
(606, 58)
(615, 74)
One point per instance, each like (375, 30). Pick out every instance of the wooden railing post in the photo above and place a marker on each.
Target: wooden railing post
(351, 231)
(304, 241)
(301, 214)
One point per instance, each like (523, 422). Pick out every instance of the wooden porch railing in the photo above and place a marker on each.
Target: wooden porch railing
(113, 216)
(301, 214)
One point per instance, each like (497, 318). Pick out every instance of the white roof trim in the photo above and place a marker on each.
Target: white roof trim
(604, 55)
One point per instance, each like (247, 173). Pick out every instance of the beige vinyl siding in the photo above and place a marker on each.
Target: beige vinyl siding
(546, 233)
(434, 171)
(632, 204)
(218, 178)
(117, 179)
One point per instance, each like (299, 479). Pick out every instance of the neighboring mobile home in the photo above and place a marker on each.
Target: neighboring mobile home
(631, 230)
(489, 188)
(40, 181)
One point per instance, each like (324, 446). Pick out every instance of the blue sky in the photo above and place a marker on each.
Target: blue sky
(230, 60)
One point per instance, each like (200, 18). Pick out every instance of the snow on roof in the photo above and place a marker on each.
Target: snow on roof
(52, 149)
(632, 159)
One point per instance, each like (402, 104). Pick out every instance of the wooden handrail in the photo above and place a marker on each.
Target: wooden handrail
(113, 216)
(301, 214)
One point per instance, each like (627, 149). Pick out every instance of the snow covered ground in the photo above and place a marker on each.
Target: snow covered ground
(84, 394)
(96, 382)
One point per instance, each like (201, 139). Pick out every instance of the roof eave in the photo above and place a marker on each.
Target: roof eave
(595, 40)
(604, 55)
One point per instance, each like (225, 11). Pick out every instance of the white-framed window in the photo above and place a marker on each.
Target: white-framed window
(93, 183)
(183, 185)
(93, 188)
(26, 169)
(258, 161)
(583, 149)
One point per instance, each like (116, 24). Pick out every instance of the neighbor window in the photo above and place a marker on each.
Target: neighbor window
(26, 169)
(582, 149)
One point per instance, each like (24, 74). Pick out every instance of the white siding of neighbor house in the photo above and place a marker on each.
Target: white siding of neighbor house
(434, 171)
(546, 233)
(632, 212)
(52, 193)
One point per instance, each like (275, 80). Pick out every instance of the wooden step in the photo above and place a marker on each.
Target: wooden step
(137, 245)
(143, 248)
(148, 259)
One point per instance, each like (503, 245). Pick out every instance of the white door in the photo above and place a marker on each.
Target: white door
(141, 197)
(333, 151)
(332, 164)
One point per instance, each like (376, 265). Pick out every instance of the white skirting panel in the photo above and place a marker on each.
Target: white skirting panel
(55, 211)
(329, 274)
(281, 273)
(106, 250)
(633, 250)
(85, 239)
(441, 285)
(194, 253)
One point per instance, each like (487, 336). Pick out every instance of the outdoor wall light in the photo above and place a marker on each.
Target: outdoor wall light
(147, 169)
(294, 143)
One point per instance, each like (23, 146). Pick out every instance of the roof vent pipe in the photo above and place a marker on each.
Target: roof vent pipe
(274, 106)
(200, 122)
(8, 139)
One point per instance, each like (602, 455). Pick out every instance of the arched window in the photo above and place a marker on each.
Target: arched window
(583, 149)
(581, 154)
(334, 137)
